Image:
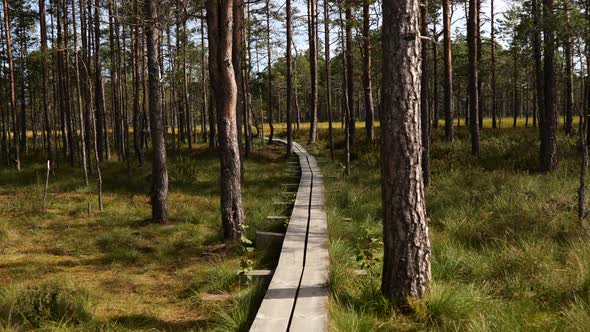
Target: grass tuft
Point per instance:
(48, 302)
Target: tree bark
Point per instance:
(219, 19)
(549, 124)
(406, 264)
(159, 191)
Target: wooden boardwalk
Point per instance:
(297, 297)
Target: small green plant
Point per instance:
(366, 254)
(246, 248)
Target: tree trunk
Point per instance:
(493, 64)
(219, 19)
(313, 68)
(289, 78)
(269, 71)
(424, 95)
(159, 190)
(136, 85)
(548, 140)
(406, 262)
(45, 78)
(448, 59)
(435, 84)
(237, 53)
(247, 99)
(185, 78)
(472, 37)
(345, 104)
(100, 113)
(350, 70)
(539, 79)
(205, 89)
(12, 85)
(368, 89)
(115, 97)
(480, 99)
(80, 101)
(328, 76)
(569, 75)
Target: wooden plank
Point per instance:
(276, 218)
(296, 298)
(258, 273)
(276, 308)
(311, 307)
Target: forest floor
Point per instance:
(63, 269)
(508, 252)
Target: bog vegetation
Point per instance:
(139, 158)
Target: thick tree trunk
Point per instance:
(448, 82)
(219, 19)
(472, 37)
(549, 124)
(406, 262)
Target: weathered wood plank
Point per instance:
(296, 298)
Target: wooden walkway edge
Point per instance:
(297, 297)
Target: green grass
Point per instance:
(508, 253)
(65, 270)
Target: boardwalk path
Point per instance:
(297, 297)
